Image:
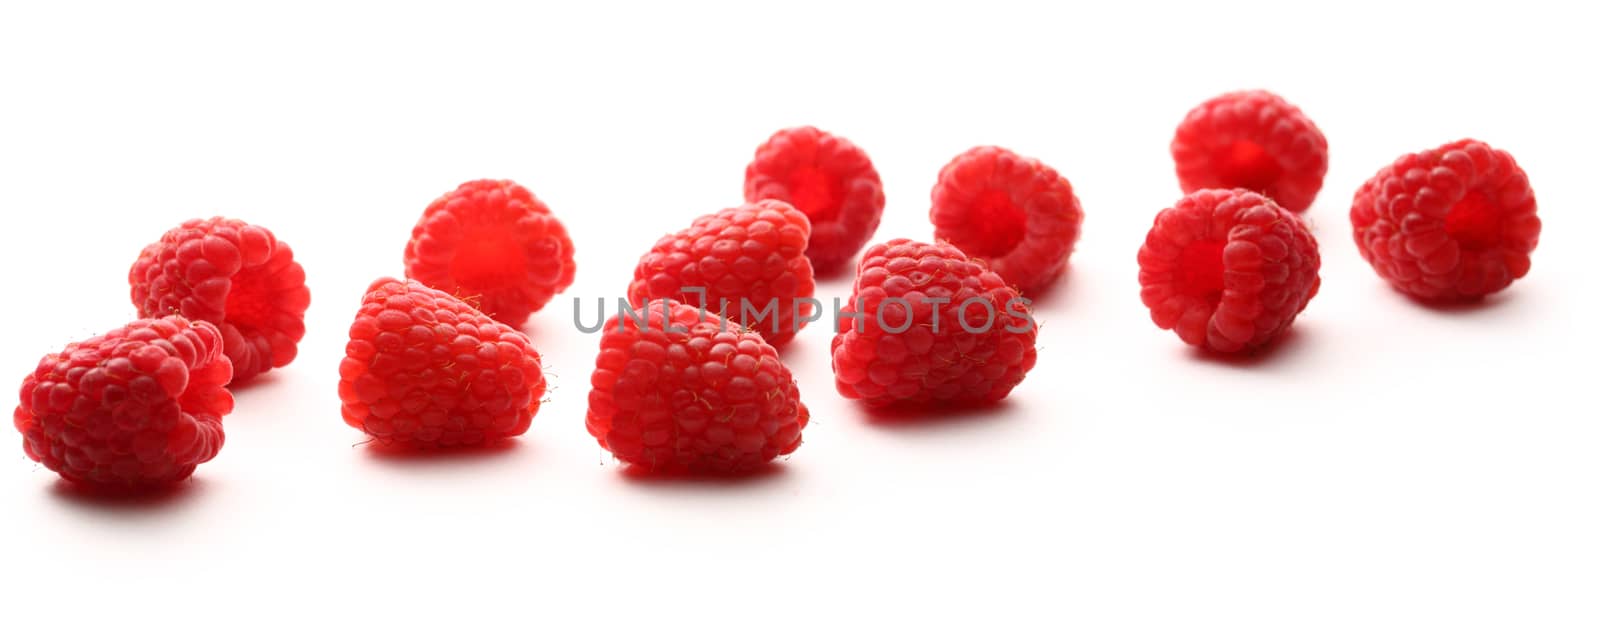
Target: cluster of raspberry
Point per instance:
(436, 360)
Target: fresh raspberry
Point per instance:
(135, 408)
(425, 370)
(683, 390)
(828, 178)
(234, 275)
(1010, 211)
(750, 262)
(1252, 140)
(1453, 223)
(492, 243)
(1227, 269)
(928, 326)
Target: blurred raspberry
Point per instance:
(1009, 211)
(828, 178)
(495, 245)
(1252, 140)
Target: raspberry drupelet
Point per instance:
(1252, 140)
(828, 178)
(495, 244)
(133, 409)
(1454, 223)
(426, 370)
(1012, 212)
(1228, 270)
(237, 276)
(684, 391)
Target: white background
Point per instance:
(1387, 461)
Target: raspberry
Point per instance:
(1453, 223)
(927, 325)
(683, 390)
(1012, 212)
(495, 244)
(1227, 269)
(1252, 140)
(749, 260)
(236, 276)
(426, 370)
(828, 178)
(135, 408)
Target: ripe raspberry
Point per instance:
(135, 408)
(236, 276)
(749, 260)
(934, 327)
(495, 244)
(1227, 269)
(426, 370)
(685, 391)
(1448, 224)
(1252, 140)
(1012, 212)
(828, 178)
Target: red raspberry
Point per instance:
(683, 390)
(135, 408)
(828, 178)
(492, 243)
(1252, 140)
(426, 370)
(1227, 269)
(934, 327)
(234, 275)
(749, 260)
(1012, 212)
(1448, 224)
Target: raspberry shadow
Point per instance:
(400, 455)
(926, 416)
(767, 473)
(1484, 306)
(170, 496)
